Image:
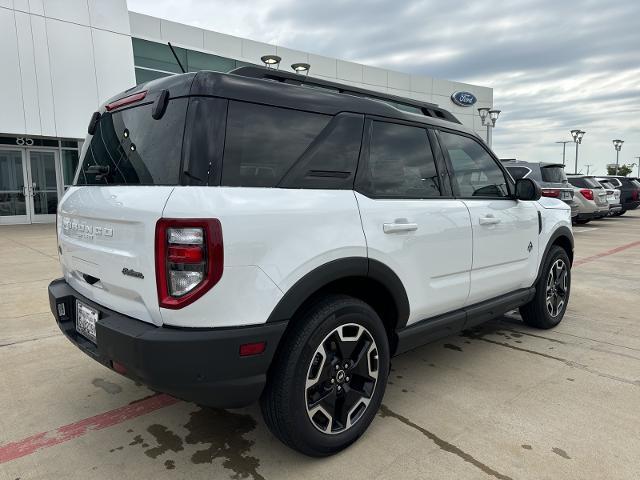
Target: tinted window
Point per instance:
(553, 174)
(262, 142)
(475, 172)
(578, 182)
(131, 148)
(331, 161)
(592, 183)
(400, 163)
(518, 172)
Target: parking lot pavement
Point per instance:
(504, 401)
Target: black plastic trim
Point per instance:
(322, 276)
(199, 365)
(435, 328)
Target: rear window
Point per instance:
(592, 183)
(129, 147)
(553, 174)
(518, 172)
(263, 143)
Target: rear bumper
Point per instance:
(198, 365)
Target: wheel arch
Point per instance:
(366, 279)
(562, 237)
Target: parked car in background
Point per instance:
(613, 197)
(629, 191)
(591, 198)
(550, 177)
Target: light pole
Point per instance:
(638, 158)
(577, 138)
(271, 61)
(617, 144)
(489, 118)
(564, 146)
(588, 165)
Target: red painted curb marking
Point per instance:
(582, 261)
(32, 444)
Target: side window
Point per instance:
(263, 142)
(401, 163)
(475, 172)
(518, 172)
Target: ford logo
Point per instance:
(464, 99)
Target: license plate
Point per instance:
(566, 196)
(86, 318)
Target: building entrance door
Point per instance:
(29, 186)
(13, 187)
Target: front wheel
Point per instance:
(549, 304)
(328, 379)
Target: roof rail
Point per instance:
(402, 103)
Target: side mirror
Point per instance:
(527, 189)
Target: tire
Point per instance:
(310, 364)
(622, 212)
(538, 313)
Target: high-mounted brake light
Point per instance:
(551, 192)
(189, 259)
(587, 193)
(136, 97)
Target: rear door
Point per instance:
(106, 221)
(505, 230)
(411, 222)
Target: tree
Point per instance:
(623, 170)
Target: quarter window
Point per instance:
(475, 172)
(401, 163)
(262, 142)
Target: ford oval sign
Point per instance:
(464, 99)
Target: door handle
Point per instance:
(399, 227)
(489, 220)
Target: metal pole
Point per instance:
(576, 168)
(489, 135)
(638, 158)
(564, 147)
(617, 157)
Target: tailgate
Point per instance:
(106, 237)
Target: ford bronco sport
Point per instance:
(266, 236)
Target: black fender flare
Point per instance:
(562, 231)
(336, 270)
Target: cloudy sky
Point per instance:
(554, 65)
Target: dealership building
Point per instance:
(62, 58)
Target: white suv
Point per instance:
(263, 235)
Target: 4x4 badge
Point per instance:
(530, 247)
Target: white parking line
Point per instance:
(584, 229)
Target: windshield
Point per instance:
(129, 147)
(553, 174)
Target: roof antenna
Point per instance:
(176, 57)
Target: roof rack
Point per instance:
(402, 103)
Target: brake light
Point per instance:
(634, 195)
(586, 193)
(189, 259)
(136, 97)
(551, 192)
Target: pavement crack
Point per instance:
(443, 444)
(569, 363)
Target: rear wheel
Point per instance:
(622, 212)
(549, 304)
(327, 382)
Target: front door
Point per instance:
(505, 230)
(14, 194)
(42, 172)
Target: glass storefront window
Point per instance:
(69, 160)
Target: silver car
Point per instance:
(613, 197)
(591, 198)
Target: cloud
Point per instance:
(553, 65)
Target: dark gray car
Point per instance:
(550, 177)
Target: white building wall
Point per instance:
(418, 87)
(60, 60)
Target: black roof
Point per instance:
(278, 88)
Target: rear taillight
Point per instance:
(551, 192)
(189, 259)
(634, 195)
(587, 193)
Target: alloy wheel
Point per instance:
(341, 378)
(557, 285)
